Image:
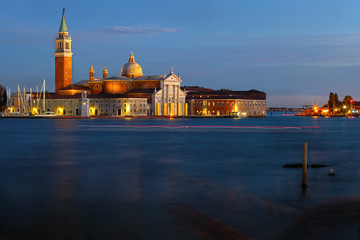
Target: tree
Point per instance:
(5, 99)
(337, 102)
(331, 102)
(346, 100)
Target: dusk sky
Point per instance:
(295, 51)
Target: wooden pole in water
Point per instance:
(304, 169)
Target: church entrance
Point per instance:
(119, 112)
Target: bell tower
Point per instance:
(63, 57)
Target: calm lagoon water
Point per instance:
(126, 179)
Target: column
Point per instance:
(163, 97)
(157, 109)
(178, 99)
(167, 99)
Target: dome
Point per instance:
(131, 69)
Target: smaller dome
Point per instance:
(131, 69)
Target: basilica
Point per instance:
(130, 93)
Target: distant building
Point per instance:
(208, 102)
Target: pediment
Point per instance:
(172, 78)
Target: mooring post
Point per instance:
(304, 168)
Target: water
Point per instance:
(126, 179)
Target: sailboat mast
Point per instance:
(18, 96)
(9, 97)
(37, 97)
(44, 96)
(31, 101)
(24, 101)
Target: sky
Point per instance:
(296, 51)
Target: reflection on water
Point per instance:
(91, 179)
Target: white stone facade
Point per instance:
(170, 99)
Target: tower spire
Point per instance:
(63, 27)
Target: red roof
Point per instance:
(227, 94)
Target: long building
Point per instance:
(224, 102)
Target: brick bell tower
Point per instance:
(63, 57)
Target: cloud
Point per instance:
(136, 30)
(323, 51)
